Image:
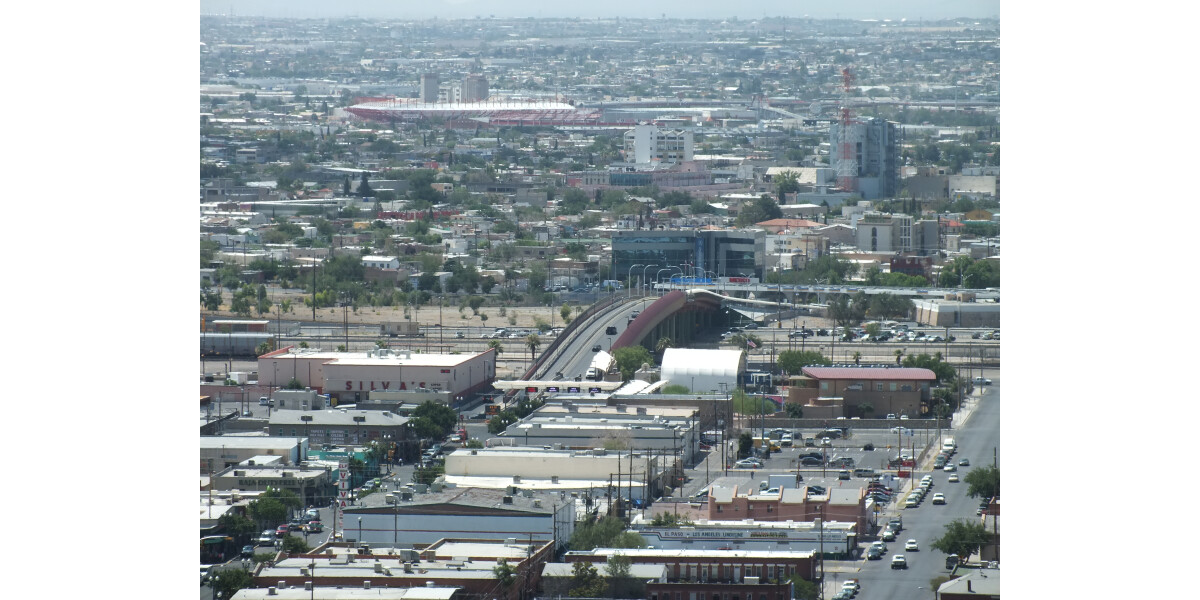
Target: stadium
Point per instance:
(496, 112)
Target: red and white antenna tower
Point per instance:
(847, 168)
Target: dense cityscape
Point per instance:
(602, 308)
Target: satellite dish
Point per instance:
(815, 109)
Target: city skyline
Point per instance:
(700, 9)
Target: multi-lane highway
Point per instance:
(574, 357)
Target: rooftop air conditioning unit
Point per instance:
(507, 500)
(554, 479)
(367, 584)
(308, 586)
(537, 503)
(270, 591)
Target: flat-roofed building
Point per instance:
(351, 376)
(711, 565)
(350, 593)
(334, 565)
(424, 517)
(218, 452)
(749, 534)
(578, 473)
(312, 484)
(340, 426)
(648, 429)
(842, 504)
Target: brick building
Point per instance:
(886, 389)
(841, 504)
(711, 566)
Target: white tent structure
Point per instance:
(703, 370)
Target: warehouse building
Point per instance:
(426, 514)
(350, 376)
(703, 370)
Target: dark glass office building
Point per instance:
(712, 253)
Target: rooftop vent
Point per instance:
(366, 584)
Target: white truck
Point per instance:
(400, 328)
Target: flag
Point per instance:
(751, 343)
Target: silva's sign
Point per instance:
(352, 386)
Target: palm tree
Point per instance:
(661, 346)
(857, 357)
(496, 344)
(898, 354)
(532, 342)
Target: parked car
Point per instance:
(748, 463)
(874, 554)
(888, 535)
(868, 447)
(982, 381)
(809, 461)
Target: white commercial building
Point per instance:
(648, 143)
(703, 370)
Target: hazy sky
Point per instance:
(706, 9)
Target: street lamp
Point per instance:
(644, 278)
(629, 275)
(657, 275)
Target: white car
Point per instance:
(953, 478)
(748, 463)
(982, 381)
(911, 546)
(949, 468)
(939, 498)
(898, 562)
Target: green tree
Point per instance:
(631, 358)
(505, 573)
(294, 545)
(962, 537)
(786, 183)
(238, 527)
(793, 361)
(607, 532)
(745, 404)
(474, 302)
(660, 347)
(230, 581)
(439, 414)
(745, 443)
(762, 209)
(857, 356)
(501, 422)
(211, 300)
(666, 519)
(533, 342)
(803, 589)
(424, 428)
(983, 482)
(586, 582)
(293, 384)
(620, 583)
(497, 346)
(565, 313)
(793, 410)
(364, 188)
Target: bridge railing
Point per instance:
(579, 320)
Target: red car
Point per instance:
(281, 531)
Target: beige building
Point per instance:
(350, 376)
(952, 313)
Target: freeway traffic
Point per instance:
(574, 358)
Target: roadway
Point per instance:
(977, 439)
(576, 355)
(786, 288)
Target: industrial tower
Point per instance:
(847, 168)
